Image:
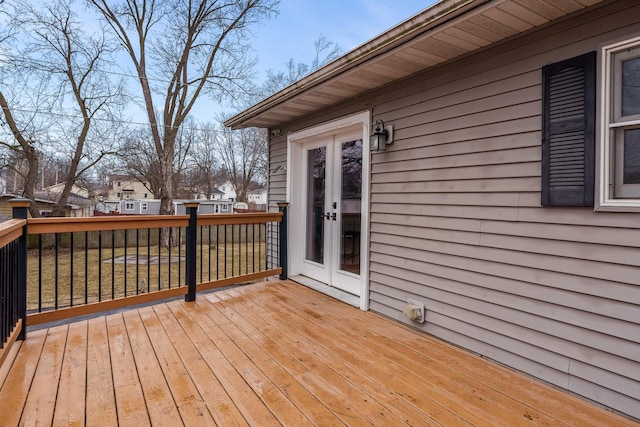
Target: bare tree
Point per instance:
(75, 97)
(25, 149)
(205, 162)
(325, 52)
(244, 157)
(181, 50)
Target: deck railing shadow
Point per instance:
(58, 268)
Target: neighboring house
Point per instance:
(217, 194)
(509, 201)
(45, 205)
(228, 192)
(257, 197)
(205, 207)
(128, 187)
(139, 207)
(75, 189)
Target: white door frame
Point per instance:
(295, 142)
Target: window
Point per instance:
(128, 206)
(119, 195)
(620, 125)
(119, 184)
(127, 196)
(144, 206)
(146, 195)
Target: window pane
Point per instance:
(631, 87)
(631, 156)
(316, 169)
(351, 206)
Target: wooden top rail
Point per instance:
(232, 219)
(67, 225)
(101, 223)
(10, 230)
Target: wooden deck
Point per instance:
(272, 353)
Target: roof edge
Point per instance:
(437, 14)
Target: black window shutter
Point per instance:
(568, 131)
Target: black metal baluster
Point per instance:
(225, 251)
(137, 261)
(169, 249)
(180, 256)
(239, 249)
(253, 248)
(99, 265)
(217, 252)
(55, 304)
(160, 258)
(86, 267)
(233, 250)
(126, 261)
(113, 264)
(71, 246)
(246, 247)
(209, 251)
(149, 257)
(201, 254)
(39, 273)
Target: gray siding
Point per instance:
(456, 220)
(276, 191)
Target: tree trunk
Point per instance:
(30, 179)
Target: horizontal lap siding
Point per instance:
(456, 222)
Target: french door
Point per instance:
(332, 212)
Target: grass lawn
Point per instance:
(94, 275)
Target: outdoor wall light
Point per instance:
(381, 137)
(278, 169)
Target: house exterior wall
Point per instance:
(456, 220)
(122, 187)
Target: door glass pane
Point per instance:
(631, 87)
(316, 166)
(631, 173)
(351, 206)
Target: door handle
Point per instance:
(327, 215)
(333, 216)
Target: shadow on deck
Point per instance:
(273, 353)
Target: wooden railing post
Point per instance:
(192, 236)
(20, 208)
(283, 238)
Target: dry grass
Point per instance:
(97, 277)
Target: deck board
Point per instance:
(100, 403)
(273, 353)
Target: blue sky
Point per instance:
(349, 23)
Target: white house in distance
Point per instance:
(228, 192)
(257, 196)
(480, 158)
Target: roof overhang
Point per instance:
(448, 30)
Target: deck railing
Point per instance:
(13, 245)
(80, 266)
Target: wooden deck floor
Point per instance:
(267, 354)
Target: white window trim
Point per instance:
(605, 200)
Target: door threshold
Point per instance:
(336, 293)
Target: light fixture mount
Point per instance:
(381, 137)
